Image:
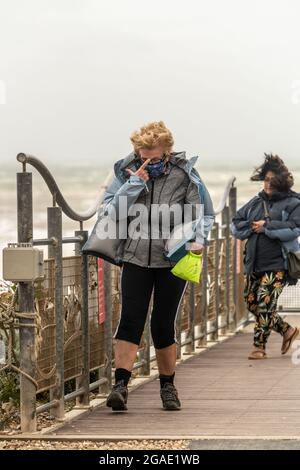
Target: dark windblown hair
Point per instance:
(283, 179)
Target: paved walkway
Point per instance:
(223, 395)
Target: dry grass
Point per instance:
(92, 445)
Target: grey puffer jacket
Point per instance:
(284, 224)
(173, 187)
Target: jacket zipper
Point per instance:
(149, 224)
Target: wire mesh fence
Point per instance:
(289, 300)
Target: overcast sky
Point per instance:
(77, 77)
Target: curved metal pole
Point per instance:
(229, 185)
(56, 193)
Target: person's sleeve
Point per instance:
(285, 230)
(118, 194)
(240, 226)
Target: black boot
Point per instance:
(169, 396)
(117, 399)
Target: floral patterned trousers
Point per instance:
(261, 294)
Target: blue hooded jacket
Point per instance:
(284, 224)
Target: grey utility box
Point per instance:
(22, 262)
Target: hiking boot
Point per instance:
(169, 396)
(117, 399)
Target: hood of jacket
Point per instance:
(278, 195)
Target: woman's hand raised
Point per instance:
(141, 172)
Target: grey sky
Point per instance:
(80, 76)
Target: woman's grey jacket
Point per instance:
(180, 184)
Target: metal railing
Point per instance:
(78, 304)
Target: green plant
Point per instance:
(9, 387)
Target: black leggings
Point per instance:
(137, 283)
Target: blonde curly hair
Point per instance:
(151, 135)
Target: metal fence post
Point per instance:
(26, 304)
(84, 380)
(203, 323)
(190, 347)
(232, 212)
(216, 280)
(225, 233)
(215, 235)
(108, 335)
(54, 221)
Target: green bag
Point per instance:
(189, 267)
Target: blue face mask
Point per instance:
(156, 169)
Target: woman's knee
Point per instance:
(162, 336)
(162, 343)
(129, 331)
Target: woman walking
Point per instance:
(271, 224)
(152, 174)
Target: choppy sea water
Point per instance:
(80, 185)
